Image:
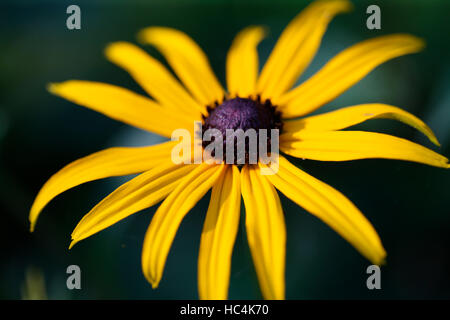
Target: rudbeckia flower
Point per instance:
(254, 100)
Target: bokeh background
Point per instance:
(408, 203)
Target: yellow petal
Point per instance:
(218, 236)
(106, 163)
(353, 145)
(242, 62)
(165, 222)
(349, 116)
(154, 78)
(344, 70)
(330, 206)
(266, 231)
(137, 194)
(297, 46)
(188, 61)
(122, 105)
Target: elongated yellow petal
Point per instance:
(266, 231)
(330, 206)
(353, 145)
(242, 62)
(349, 116)
(154, 78)
(187, 60)
(137, 194)
(122, 105)
(165, 222)
(297, 46)
(218, 236)
(344, 70)
(106, 163)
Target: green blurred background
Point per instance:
(408, 203)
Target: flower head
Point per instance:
(242, 114)
(253, 100)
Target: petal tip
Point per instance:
(60, 88)
(446, 165)
(432, 137)
(72, 243)
(338, 5)
(436, 142)
(260, 30)
(32, 218)
(347, 6)
(418, 43)
(110, 47)
(143, 34)
(52, 87)
(380, 259)
(113, 48)
(153, 282)
(421, 43)
(382, 262)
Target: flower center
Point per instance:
(242, 113)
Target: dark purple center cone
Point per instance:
(242, 113)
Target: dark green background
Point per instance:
(40, 133)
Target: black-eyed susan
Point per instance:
(252, 100)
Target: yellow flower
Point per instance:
(180, 186)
